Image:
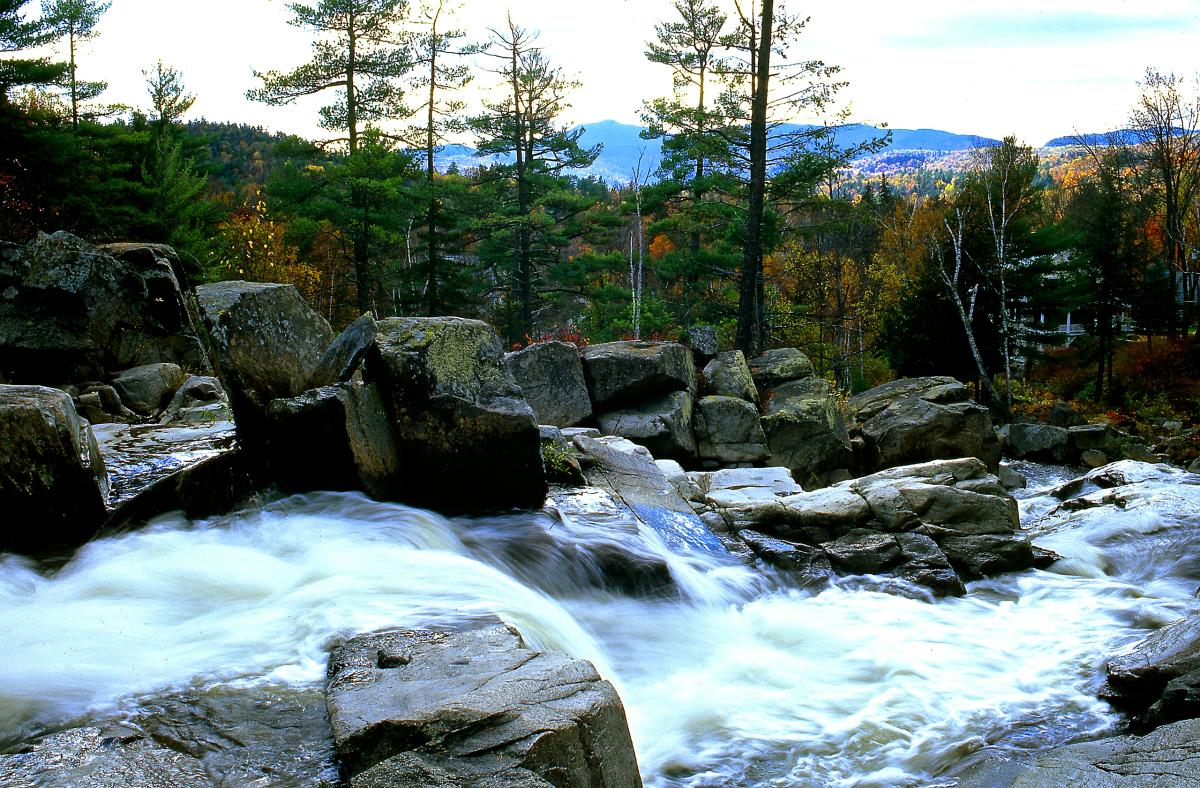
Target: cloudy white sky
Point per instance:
(1034, 68)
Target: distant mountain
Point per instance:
(623, 144)
(1122, 136)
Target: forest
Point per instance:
(965, 265)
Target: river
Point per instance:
(741, 679)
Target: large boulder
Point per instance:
(728, 431)
(71, 312)
(619, 373)
(1041, 442)
(53, 484)
(921, 419)
(805, 430)
(149, 388)
(267, 344)
(663, 425)
(550, 375)
(779, 366)
(474, 706)
(465, 437)
(728, 375)
(336, 437)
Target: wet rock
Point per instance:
(335, 438)
(920, 419)
(267, 343)
(345, 354)
(863, 552)
(922, 562)
(805, 431)
(149, 388)
(776, 367)
(1180, 700)
(550, 375)
(663, 425)
(1093, 458)
(101, 404)
(1169, 756)
(73, 312)
(809, 564)
(53, 483)
(476, 706)
(1040, 442)
(1010, 478)
(974, 557)
(1139, 677)
(200, 400)
(728, 375)
(728, 431)
(466, 438)
(619, 373)
(91, 756)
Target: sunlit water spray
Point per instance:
(737, 680)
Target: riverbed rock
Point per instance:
(920, 419)
(728, 431)
(71, 312)
(728, 375)
(1170, 756)
(1038, 442)
(476, 706)
(345, 354)
(267, 343)
(978, 556)
(1137, 678)
(550, 375)
(779, 366)
(149, 388)
(53, 484)
(619, 373)
(805, 430)
(337, 437)
(101, 404)
(663, 425)
(201, 399)
(465, 437)
(807, 564)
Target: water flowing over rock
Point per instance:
(71, 312)
(619, 373)
(550, 375)
(474, 706)
(52, 479)
(267, 343)
(922, 419)
(465, 437)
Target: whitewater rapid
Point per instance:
(740, 680)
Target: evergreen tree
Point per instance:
(358, 54)
(16, 35)
(523, 130)
(75, 20)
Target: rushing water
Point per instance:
(739, 680)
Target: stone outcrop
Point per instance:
(728, 375)
(935, 524)
(663, 425)
(780, 366)
(70, 312)
(621, 373)
(465, 438)
(805, 431)
(149, 388)
(728, 431)
(550, 375)
(474, 706)
(53, 483)
(922, 419)
(267, 344)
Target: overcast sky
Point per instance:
(1034, 68)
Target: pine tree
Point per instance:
(75, 20)
(16, 35)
